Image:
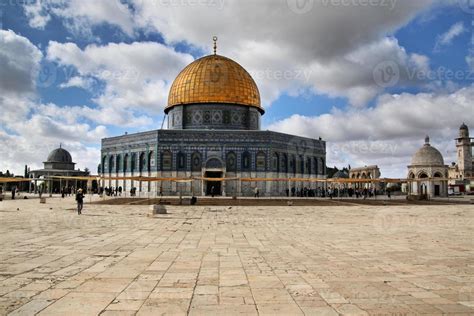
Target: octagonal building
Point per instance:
(213, 140)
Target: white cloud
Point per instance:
(19, 64)
(26, 133)
(80, 16)
(137, 75)
(321, 39)
(104, 116)
(390, 132)
(78, 82)
(36, 13)
(447, 38)
(269, 35)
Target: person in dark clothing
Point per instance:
(13, 193)
(213, 191)
(80, 201)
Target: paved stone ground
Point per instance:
(351, 260)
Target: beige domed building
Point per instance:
(427, 174)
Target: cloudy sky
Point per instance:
(372, 77)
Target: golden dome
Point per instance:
(214, 79)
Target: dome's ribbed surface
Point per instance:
(427, 156)
(214, 79)
(60, 155)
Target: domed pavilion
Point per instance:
(213, 137)
(427, 173)
(59, 164)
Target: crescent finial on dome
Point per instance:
(215, 44)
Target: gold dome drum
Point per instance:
(214, 79)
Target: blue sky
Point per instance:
(332, 53)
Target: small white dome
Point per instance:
(427, 156)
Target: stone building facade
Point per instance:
(367, 172)
(213, 136)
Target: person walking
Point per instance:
(13, 193)
(213, 191)
(257, 193)
(80, 201)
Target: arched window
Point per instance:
(293, 164)
(111, 164)
(196, 162)
(301, 165)
(246, 161)
(125, 163)
(284, 163)
(104, 166)
(231, 162)
(275, 162)
(133, 163)
(438, 175)
(422, 175)
(167, 160)
(261, 161)
(308, 165)
(181, 161)
(214, 163)
(117, 165)
(151, 161)
(316, 166)
(142, 163)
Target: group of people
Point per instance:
(334, 192)
(68, 191)
(117, 191)
(111, 191)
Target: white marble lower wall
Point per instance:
(198, 187)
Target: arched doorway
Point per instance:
(423, 184)
(214, 169)
(437, 184)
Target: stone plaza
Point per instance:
(317, 260)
